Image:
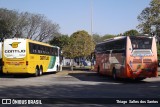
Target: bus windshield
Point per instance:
(141, 42)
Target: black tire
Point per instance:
(57, 69)
(140, 79)
(36, 72)
(159, 63)
(40, 72)
(98, 70)
(114, 74)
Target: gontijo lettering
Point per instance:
(15, 51)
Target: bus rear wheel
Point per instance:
(36, 72)
(140, 78)
(98, 70)
(40, 72)
(114, 75)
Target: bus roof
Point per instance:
(113, 39)
(122, 37)
(33, 41)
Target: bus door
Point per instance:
(115, 64)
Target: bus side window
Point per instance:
(135, 44)
(30, 48)
(42, 49)
(55, 51)
(34, 48)
(51, 51)
(38, 48)
(45, 50)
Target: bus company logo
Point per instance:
(15, 44)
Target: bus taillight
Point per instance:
(27, 63)
(2, 63)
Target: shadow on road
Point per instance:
(124, 89)
(100, 90)
(17, 76)
(93, 76)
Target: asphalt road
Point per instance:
(78, 84)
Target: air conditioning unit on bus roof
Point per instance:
(119, 37)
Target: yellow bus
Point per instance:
(24, 56)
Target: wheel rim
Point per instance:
(36, 73)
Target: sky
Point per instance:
(108, 16)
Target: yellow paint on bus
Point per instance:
(24, 56)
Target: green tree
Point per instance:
(97, 38)
(107, 36)
(131, 33)
(158, 51)
(60, 40)
(155, 10)
(4, 30)
(26, 25)
(150, 18)
(8, 19)
(80, 45)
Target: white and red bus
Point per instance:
(133, 57)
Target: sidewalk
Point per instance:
(68, 69)
(86, 68)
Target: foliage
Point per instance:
(107, 36)
(150, 18)
(158, 51)
(131, 33)
(60, 40)
(96, 38)
(80, 44)
(7, 21)
(26, 25)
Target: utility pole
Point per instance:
(91, 13)
(91, 16)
